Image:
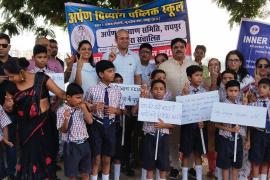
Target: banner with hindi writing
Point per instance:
(156, 23)
(254, 42)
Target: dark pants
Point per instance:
(3, 172)
(11, 152)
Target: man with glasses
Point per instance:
(145, 53)
(10, 151)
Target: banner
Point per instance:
(254, 42)
(197, 107)
(130, 93)
(239, 114)
(156, 23)
(150, 110)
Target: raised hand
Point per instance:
(185, 90)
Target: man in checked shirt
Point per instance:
(107, 103)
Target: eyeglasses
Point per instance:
(263, 66)
(4, 45)
(145, 52)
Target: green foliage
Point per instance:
(244, 9)
(22, 15)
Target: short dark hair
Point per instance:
(193, 69)
(229, 71)
(176, 40)
(202, 47)
(16, 65)
(232, 83)
(155, 72)
(264, 81)
(103, 65)
(117, 75)
(147, 46)
(73, 89)
(5, 36)
(39, 49)
(162, 54)
(157, 81)
(260, 59)
(53, 41)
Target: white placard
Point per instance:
(150, 110)
(58, 78)
(197, 107)
(130, 93)
(239, 114)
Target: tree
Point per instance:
(22, 15)
(244, 9)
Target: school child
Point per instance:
(226, 76)
(259, 154)
(190, 139)
(226, 137)
(107, 104)
(4, 122)
(158, 90)
(160, 74)
(118, 149)
(41, 59)
(71, 121)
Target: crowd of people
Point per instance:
(83, 124)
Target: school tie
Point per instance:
(106, 120)
(267, 126)
(70, 122)
(195, 91)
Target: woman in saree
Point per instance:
(30, 98)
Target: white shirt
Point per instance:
(146, 72)
(89, 76)
(127, 66)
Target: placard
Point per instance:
(239, 114)
(58, 78)
(197, 107)
(150, 110)
(130, 93)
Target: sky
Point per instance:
(208, 26)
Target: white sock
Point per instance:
(94, 177)
(117, 169)
(255, 178)
(184, 173)
(144, 172)
(157, 175)
(162, 179)
(105, 177)
(219, 173)
(198, 169)
(263, 176)
(149, 179)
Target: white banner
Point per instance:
(239, 114)
(130, 93)
(150, 110)
(58, 78)
(197, 107)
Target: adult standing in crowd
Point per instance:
(29, 97)
(176, 77)
(145, 53)
(53, 64)
(235, 61)
(10, 151)
(127, 64)
(82, 71)
(54, 51)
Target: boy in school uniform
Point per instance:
(226, 76)
(71, 121)
(158, 90)
(226, 136)
(259, 154)
(190, 139)
(107, 103)
(118, 149)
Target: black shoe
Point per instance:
(173, 173)
(192, 173)
(100, 174)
